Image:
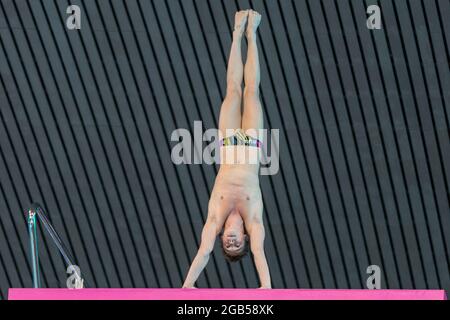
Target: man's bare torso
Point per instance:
(236, 191)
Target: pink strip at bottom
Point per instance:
(223, 294)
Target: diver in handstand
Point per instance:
(236, 203)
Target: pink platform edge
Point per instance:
(223, 294)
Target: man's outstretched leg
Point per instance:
(252, 122)
(230, 112)
(252, 119)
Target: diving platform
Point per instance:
(223, 294)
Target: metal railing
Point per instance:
(34, 214)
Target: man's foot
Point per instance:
(254, 19)
(240, 19)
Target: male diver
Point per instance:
(236, 203)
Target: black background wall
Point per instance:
(86, 117)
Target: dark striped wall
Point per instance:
(86, 118)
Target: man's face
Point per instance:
(233, 241)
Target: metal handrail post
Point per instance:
(32, 231)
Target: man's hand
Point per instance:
(201, 259)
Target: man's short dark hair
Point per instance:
(238, 255)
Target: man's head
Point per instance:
(235, 242)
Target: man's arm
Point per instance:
(257, 236)
(209, 234)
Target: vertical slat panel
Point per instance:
(87, 116)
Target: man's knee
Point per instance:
(251, 92)
(234, 90)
